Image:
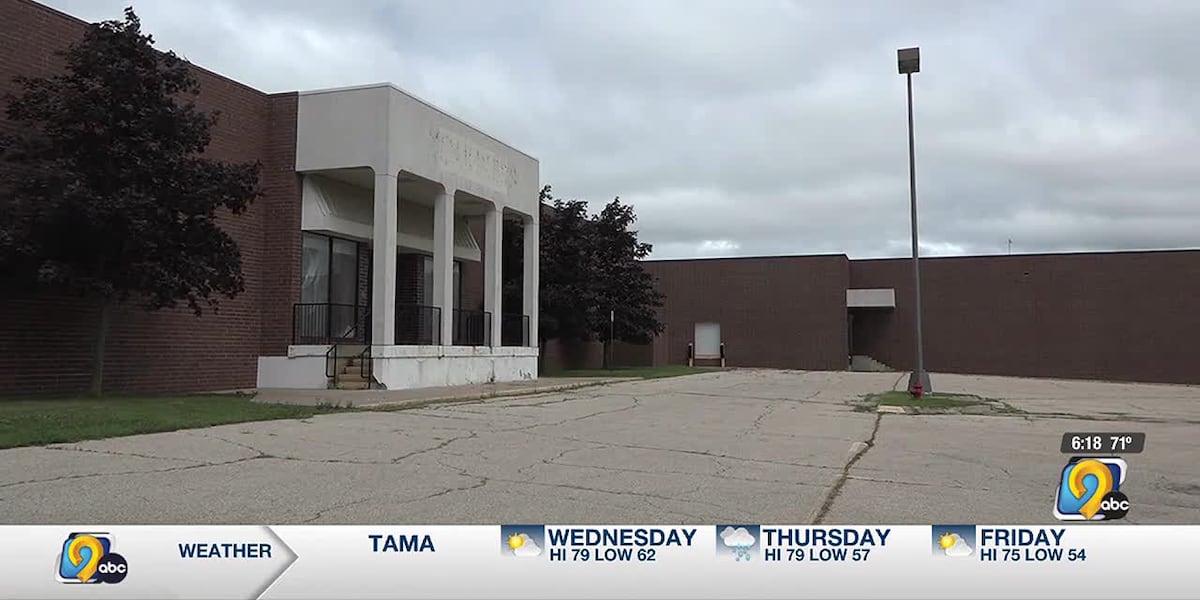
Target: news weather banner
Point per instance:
(545, 561)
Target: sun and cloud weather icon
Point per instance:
(737, 541)
(955, 541)
(522, 541)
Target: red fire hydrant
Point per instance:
(918, 389)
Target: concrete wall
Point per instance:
(46, 337)
(403, 367)
(785, 312)
(1120, 316)
(299, 371)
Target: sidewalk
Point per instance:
(433, 395)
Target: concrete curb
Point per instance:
(481, 396)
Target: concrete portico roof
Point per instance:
(390, 131)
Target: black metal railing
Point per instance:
(418, 324)
(471, 327)
(326, 323)
(331, 366)
(514, 330)
(366, 367)
(334, 366)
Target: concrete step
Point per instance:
(357, 384)
(866, 364)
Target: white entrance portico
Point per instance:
(396, 178)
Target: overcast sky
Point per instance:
(770, 127)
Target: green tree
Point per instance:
(625, 292)
(566, 279)
(590, 265)
(107, 192)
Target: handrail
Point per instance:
(365, 368)
(331, 363)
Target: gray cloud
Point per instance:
(774, 127)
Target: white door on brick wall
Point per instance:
(708, 340)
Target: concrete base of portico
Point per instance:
(417, 397)
(405, 367)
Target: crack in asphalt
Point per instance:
(919, 483)
(841, 481)
(568, 486)
(636, 403)
(321, 513)
(117, 453)
(690, 452)
(551, 460)
(810, 399)
(136, 472)
(758, 421)
(482, 482)
(718, 475)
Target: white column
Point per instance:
(383, 255)
(529, 277)
(443, 262)
(493, 280)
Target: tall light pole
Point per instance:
(909, 60)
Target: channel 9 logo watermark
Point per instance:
(89, 558)
(1090, 490)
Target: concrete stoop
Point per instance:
(866, 364)
(350, 375)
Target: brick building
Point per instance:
(1109, 315)
(349, 176)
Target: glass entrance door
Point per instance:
(329, 307)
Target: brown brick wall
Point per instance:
(410, 275)
(1119, 316)
(279, 238)
(45, 338)
(785, 312)
(364, 274)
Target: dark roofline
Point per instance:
(908, 258)
(69, 17)
(1081, 253)
(767, 257)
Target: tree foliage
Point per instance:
(106, 190)
(623, 285)
(590, 265)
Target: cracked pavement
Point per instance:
(751, 446)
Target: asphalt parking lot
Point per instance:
(754, 446)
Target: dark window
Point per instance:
(328, 270)
(427, 283)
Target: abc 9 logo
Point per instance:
(112, 568)
(1115, 505)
